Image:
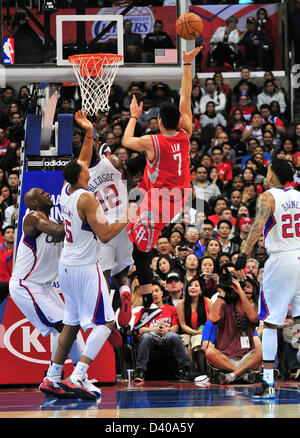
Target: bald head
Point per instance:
(31, 197)
(37, 199)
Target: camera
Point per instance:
(226, 284)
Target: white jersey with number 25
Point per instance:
(80, 244)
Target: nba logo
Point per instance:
(8, 51)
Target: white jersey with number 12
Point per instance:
(110, 188)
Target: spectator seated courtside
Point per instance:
(161, 333)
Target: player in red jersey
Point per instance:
(166, 179)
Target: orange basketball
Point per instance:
(189, 26)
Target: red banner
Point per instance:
(25, 354)
(143, 19)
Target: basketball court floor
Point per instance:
(156, 400)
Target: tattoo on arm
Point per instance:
(263, 211)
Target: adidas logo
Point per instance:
(55, 163)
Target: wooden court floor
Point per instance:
(155, 400)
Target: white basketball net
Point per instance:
(95, 75)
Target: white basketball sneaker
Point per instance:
(80, 380)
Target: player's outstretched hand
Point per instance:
(135, 109)
(83, 121)
(189, 56)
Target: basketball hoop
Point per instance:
(95, 74)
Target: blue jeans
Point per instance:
(171, 341)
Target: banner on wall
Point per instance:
(25, 354)
(143, 19)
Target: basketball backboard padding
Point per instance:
(33, 130)
(65, 133)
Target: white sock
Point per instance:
(54, 372)
(268, 376)
(124, 289)
(269, 348)
(81, 369)
(95, 341)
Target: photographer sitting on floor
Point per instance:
(236, 351)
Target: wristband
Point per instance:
(134, 117)
(89, 136)
(188, 63)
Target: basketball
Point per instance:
(189, 26)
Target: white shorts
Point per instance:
(116, 254)
(87, 300)
(280, 287)
(40, 303)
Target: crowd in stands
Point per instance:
(237, 131)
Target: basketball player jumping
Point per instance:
(36, 267)
(278, 217)
(87, 302)
(108, 184)
(166, 179)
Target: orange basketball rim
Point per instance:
(95, 74)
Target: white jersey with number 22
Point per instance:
(282, 229)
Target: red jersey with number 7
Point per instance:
(166, 185)
(170, 166)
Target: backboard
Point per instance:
(66, 31)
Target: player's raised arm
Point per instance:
(186, 117)
(129, 141)
(87, 148)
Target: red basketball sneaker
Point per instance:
(55, 389)
(124, 316)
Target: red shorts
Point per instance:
(157, 209)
